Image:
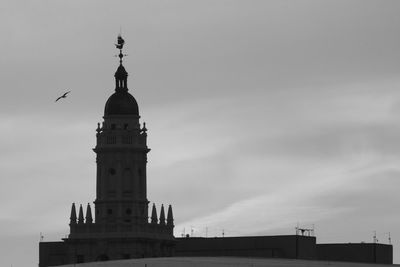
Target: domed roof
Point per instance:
(121, 103)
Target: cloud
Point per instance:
(321, 197)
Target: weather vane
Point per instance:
(119, 45)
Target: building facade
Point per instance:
(120, 227)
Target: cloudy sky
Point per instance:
(261, 114)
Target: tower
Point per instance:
(121, 149)
(121, 227)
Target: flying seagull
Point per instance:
(63, 96)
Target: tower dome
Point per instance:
(121, 102)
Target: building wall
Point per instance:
(292, 246)
(89, 250)
(52, 254)
(361, 252)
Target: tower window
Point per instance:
(109, 211)
(112, 171)
(128, 211)
(113, 126)
(125, 126)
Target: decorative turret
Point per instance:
(89, 218)
(144, 129)
(73, 215)
(121, 76)
(80, 217)
(162, 216)
(154, 218)
(170, 217)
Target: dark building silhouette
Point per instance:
(283, 246)
(356, 252)
(120, 227)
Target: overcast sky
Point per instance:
(261, 114)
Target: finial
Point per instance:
(170, 216)
(73, 214)
(89, 218)
(154, 218)
(162, 215)
(144, 129)
(120, 42)
(119, 45)
(80, 216)
(120, 75)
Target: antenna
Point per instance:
(389, 238)
(304, 231)
(375, 240)
(183, 232)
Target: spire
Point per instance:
(170, 217)
(88, 218)
(144, 129)
(162, 215)
(121, 76)
(80, 217)
(73, 215)
(154, 214)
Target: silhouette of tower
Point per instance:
(121, 227)
(121, 160)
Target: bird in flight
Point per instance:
(63, 96)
